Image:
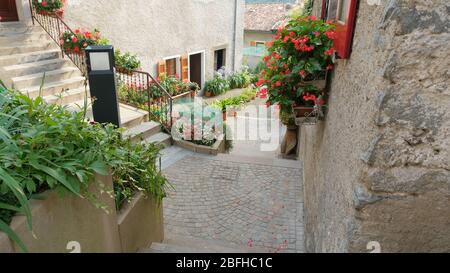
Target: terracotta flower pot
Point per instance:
(193, 94)
(303, 111)
(208, 94)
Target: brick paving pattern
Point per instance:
(244, 204)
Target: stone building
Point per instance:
(196, 35)
(202, 35)
(377, 168)
(262, 19)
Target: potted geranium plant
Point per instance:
(127, 62)
(296, 66)
(49, 7)
(77, 41)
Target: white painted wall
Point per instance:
(160, 28)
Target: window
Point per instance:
(171, 67)
(219, 59)
(343, 14)
(260, 44)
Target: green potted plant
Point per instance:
(127, 62)
(216, 86)
(49, 7)
(296, 66)
(77, 41)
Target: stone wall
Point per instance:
(378, 167)
(158, 29)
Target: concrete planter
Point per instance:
(140, 223)
(216, 148)
(60, 220)
(57, 221)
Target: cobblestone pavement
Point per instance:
(242, 203)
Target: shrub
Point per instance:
(301, 52)
(127, 61)
(217, 85)
(45, 147)
(132, 95)
(244, 97)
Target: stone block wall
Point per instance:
(378, 167)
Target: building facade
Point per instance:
(376, 170)
(194, 37)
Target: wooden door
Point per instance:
(8, 11)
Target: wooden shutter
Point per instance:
(343, 14)
(252, 43)
(161, 68)
(185, 68)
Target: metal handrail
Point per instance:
(55, 27)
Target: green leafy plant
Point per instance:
(48, 6)
(78, 40)
(245, 97)
(45, 147)
(301, 52)
(217, 85)
(126, 61)
(132, 94)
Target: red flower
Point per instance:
(309, 97)
(330, 67)
(74, 39)
(44, 3)
(286, 39)
(267, 104)
(266, 58)
(278, 84)
(331, 34)
(292, 34)
(85, 45)
(312, 18)
(317, 33)
(76, 49)
(88, 34)
(77, 31)
(329, 52)
(302, 73)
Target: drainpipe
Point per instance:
(235, 33)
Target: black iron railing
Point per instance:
(135, 88)
(141, 90)
(56, 27)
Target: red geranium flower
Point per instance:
(278, 84)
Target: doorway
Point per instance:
(8, 11)
(195, 68)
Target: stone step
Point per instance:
(129, 116)
(142, 131)
(161, 138)
(51, 88)
(50, 76)
(20, 48)
(7, 30)
(35, 36)
(67, 97)
(197, 245)
(29, 57)
(19, 70)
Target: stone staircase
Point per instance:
(27, 53)
(174, 244)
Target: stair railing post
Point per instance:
(31, 11)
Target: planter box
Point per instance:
(140, 223)
(59, 220)
(216, 148)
